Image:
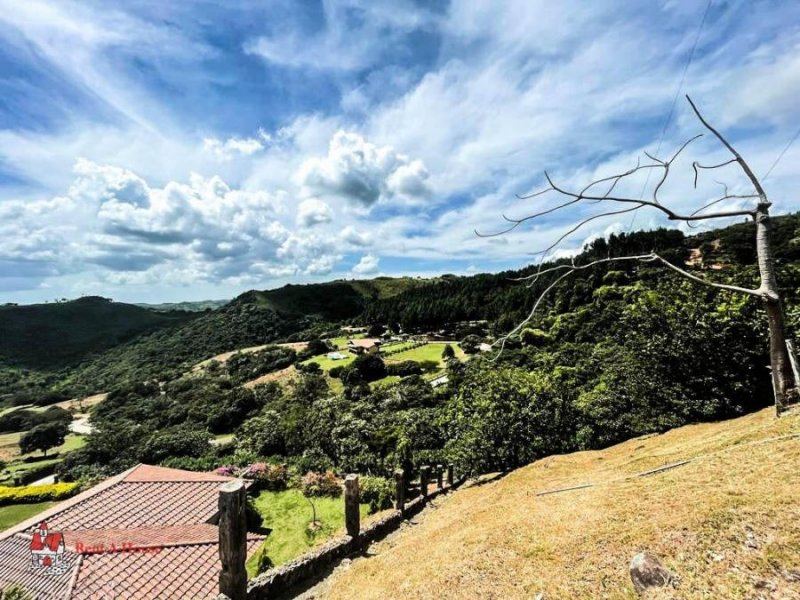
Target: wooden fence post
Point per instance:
(424, 477)
(400, 491)
(352, 516)
(233, 539)
(439, 476)
(450, 475)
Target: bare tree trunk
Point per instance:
(783, 379)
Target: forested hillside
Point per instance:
(501, 299)
(105, 343)
(625, 349)
(61, 333)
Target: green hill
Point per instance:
(50, 336)
(332, 301)
(251, 319)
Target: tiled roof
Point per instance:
(152, 473)
(180, 572)
(142, 504)
(145, 533)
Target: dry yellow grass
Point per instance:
(728, 523)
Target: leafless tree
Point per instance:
(785, 374)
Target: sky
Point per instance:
(158, 151)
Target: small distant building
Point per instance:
(364, 346)
(441, 380)
(484, 347)
(336, 355)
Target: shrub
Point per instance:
(315, 485)
(226, 471)
(336, 372)
(36, 493)
(378, 492)
(262, 435)
(268, 476)
(15, 592)
(190, 463)
(404, 369)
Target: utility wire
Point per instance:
(780, 156)
(674, 102)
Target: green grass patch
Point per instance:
(17, 513)
(341, 342)
(432, 351)
(288, 514)
(326, 364)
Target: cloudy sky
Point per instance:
(164, 151)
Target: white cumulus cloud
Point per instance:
(360, 171)
(368, 265)
(313, 212)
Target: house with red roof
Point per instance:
(144, 534)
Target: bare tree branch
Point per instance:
(745, 167)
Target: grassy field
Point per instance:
(288, 514)
(16, 513)
(326, 364)
(727, 523)
(341, 342)
(432, 351)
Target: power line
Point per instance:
(674, 102)
(780, 156)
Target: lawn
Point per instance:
(432, 351)
(16, 513)
(326, 364)
(341, 342)
(288, 514)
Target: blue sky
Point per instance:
(164, 151)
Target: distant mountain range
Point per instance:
(197, 306)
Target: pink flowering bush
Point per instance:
(226, 471)
(268, 476)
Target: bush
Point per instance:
(15, 592)
(370, 366)
(315, 485)
(36, 493)
(336, 372)
(227, 471)
(190, 463)
(262, 435)
(404, 369)
(378, 492)
(268, 476)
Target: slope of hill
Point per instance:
(252, 319)
(53, 335)
(727, 523)
(332, 301)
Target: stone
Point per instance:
(647, 572)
